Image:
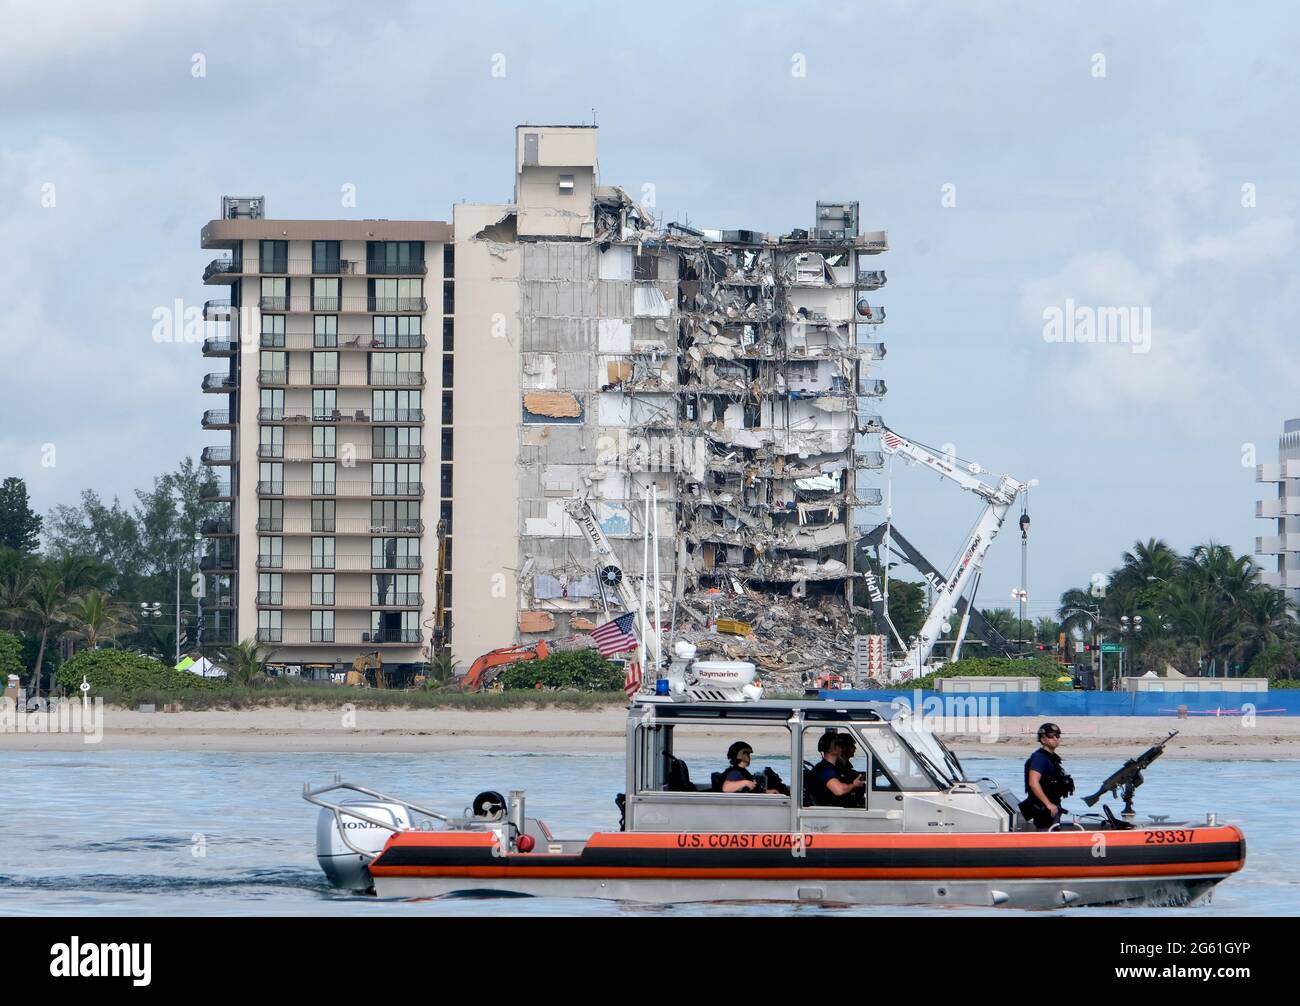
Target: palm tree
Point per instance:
(43, 608)
(244, 660)
(1076, 603)
(96, 616)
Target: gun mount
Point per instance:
(1127, 779)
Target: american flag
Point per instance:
(632, 680)
(617, 635)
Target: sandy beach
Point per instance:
(600, 730)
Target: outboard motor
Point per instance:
(344, 867)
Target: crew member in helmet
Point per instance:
(848, 747)
(1046, 782)
(825, 783)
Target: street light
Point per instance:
(1129, 628)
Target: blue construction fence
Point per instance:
(1050, 705)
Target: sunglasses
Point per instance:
(1052, 735)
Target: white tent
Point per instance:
(205, 668)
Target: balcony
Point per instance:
(866, 314)
(270, 451)
(222, 270)
(219, 601)
(216, 562)
(274, 266)
(219, 383)
(869, 497)
(1279, 472)
(217, 419)
(216, 310)
(273, 303)
(329, 305)
(272, 377)
(398, 452)
(870, 459)
(361, 378)
(396, 305)
(220, 347)
(341, 636)
(378, 267)
(1277, 579)
(217, 526)
(270, 598)
(871, 350)
(215, 491)
(869, 279)
(357, 600)
(303, 563)
(341, 525)
(1277, 544)
(270, 562)
(872, 389)
(397, 416)
(306, 304)
(270, 488)
(215, 456)
(396, 489)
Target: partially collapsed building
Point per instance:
(586, 348)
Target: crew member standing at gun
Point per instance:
(1046, 783)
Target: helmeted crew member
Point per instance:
(1046, 782)
(738, 778)
(828, 789)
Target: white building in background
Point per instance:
(1283, 508)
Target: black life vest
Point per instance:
(1057, 784)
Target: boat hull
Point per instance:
(1015, 870)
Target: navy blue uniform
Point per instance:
(822, 773)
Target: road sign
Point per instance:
(1112, 647)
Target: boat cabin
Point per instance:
(913, 782)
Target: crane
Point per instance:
(998, 500)
(608, 569)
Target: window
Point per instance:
(900, 764)
(271, 443)
(393, 331)
(324, 404)
(325, 294)
(445, 488)
(395, 479)
(273, 256)
(395, 626)
(326, 331)
(448, 298)
(269, 628)
(396, 368)
(323, 441)
(448, 261)
(274, 293)
(322, 478)
(566, 185)
(273, 367)
(322, 626)
(325, 256)
(270, 477)
(394, 515)
(446, 408)
(322, 553)
(394, 257)
(270, 404)
(645, 268)
(324, 368)
(270, 515)
(273, 331)
(395, 553)
(448, 374)
(269, 589)
(446, 443)
(395, 589)
(322, 588)
(396, 442)
(270, 552)
(322, 515)
(448, 334)
(396, 295)
(395, 406)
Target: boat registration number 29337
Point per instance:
(1169, 837)
(743, 841)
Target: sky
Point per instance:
(1024, 157)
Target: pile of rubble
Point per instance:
(791, 640)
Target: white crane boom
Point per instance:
(998, 501)
(608, 569)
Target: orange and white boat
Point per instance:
(925, 833)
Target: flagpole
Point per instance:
(645, 575)
(659, 618)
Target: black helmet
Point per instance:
(1048, 728)
(733, 752)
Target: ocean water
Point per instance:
(188, 833)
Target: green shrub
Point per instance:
(579, 670)
(120, 672)
(11, 656)
(1045, 669)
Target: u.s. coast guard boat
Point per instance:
(926, 833)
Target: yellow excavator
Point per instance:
(365, 662)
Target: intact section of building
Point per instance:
(586, 348)
(1284, 509)
(329, 389)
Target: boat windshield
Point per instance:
(931, 751)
